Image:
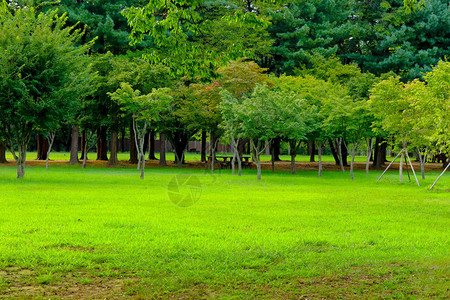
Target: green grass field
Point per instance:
(103, 233)
(171, 156)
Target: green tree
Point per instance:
(40, 73)
(146, 111)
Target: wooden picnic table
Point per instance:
(225, 160)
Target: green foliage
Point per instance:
(42, 72)
(195, 37)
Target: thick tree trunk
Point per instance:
(151, 142)
(380, 153)
(203, 149)
(311, 150)
(133, 149)
(42, 147)
(113, 160)
(333, 151)
(74, 146)
(276, 145)
(162, 150)
(179, 141)
(3, 153)
(344, 153)
(102, 141)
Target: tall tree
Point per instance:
(40, 68)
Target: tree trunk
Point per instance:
(3, 153)
(50, 140)
(42, 147)
(113, 160)
(311, 150)
(21, 160)
(213, 142)
(151, 151)
(341, 159)
(102, 147)
(276, 145)
(133, 148)
(369, 153)
(179, 140)
(162, 150)
(333, 151)
(83, 143)
(400, 170)
(203, 150)
(319, 152)
(258, 167)
(344, 153)
(380, 153)
(353, 153)
(74, 146)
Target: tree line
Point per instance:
(339, 74)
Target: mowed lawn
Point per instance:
(104, 233)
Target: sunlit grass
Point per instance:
(241, 235)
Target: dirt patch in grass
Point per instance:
(19, 283)
(364, 282)
(361, 282)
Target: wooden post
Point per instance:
(448, 165)
(412, 168)
(390, 165)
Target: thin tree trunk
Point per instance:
(21, 160)
(353, 153)
(369, 153)
(203, 149)
(311, 149)
(162, 150)
(113, 160)
(83, 143)
(400, 170)
(276, 144)
(333, 151)
(422, 160)
(51, 139)
(213, 145)
(86, 148)
(133, 147)
(273, 158)
(319, 152)
(339, 148)
(74, 146)
(3, 153)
